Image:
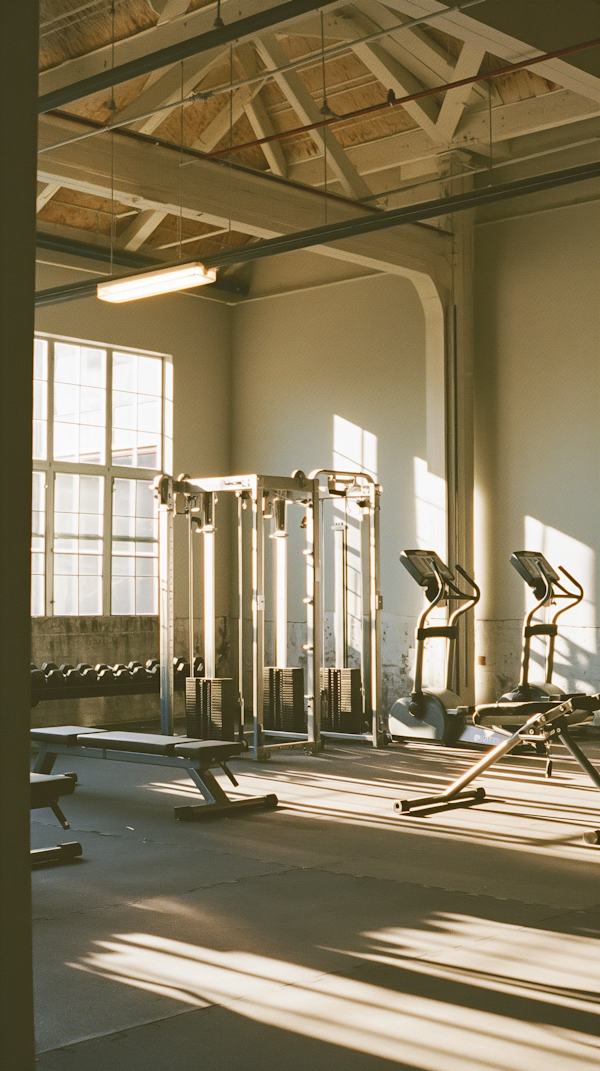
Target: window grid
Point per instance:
(111, 470)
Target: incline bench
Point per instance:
(196, 757)
(541, 722)
(45, 791)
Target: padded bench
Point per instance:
(197, 757)
(45, 791)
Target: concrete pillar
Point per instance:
(18, 112)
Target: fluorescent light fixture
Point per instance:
(152, 283)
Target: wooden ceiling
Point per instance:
(356, 77)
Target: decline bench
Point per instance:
(45, 791)
(195, 757)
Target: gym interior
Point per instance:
(382, 402)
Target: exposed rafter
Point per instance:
(303, 104)
(226, 118)
(46, 195)
(168, 9)
(217, 37)
(169, 88)
(453, 106)
(466, 27)
(394, 76)
(141, 228)
(257, 113)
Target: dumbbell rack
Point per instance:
(85, 682)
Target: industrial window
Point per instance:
(102, 429)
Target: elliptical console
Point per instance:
(548, 588)
(428, 714)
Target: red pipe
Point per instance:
(400, 101)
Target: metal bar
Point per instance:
(166, 621)
(258, 615)
(175, 53)
(190, 588)
(281, 600)
(208, 537)
(579, 756)
(375, 605)
(443, 206)
(313, 619)
(240, 552)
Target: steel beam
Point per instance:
(219, 37)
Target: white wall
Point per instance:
(355, 350)
(537, 436)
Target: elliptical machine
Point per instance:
(429, 714)
(547, 587)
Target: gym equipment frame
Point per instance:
(536, 724)
(434, 714)
(267, 497)
(354, 695)
(547, 587)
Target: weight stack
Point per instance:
(344, 703)
(211, 708)
(283, 699)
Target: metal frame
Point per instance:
(536, 724)
(345, 486)
(258, 490)
(108, 471)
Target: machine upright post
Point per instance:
(281, 615)
(375, 601)
(164, 486)
(258, 614)
(341, 589)
(240, 551)
(208, 534)
(191, 638)
(313, 618)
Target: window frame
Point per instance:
(109, 471)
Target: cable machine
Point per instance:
(215, 705)
(288, 710)
(351, 694)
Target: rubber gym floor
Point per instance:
(330, 935)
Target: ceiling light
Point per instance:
(152, 283)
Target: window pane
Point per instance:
(137, 410)
(134, 548)
(124, 371)
(79, 402)
(38, 545)
(150, 376)
(78, 521)
(123, 595)
(40, 399)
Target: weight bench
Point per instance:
(537, 723)
(45, 791)
(196, 757)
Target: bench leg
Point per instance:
(217, 802)
(61, 853)
(56, 811)
(45, 761)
